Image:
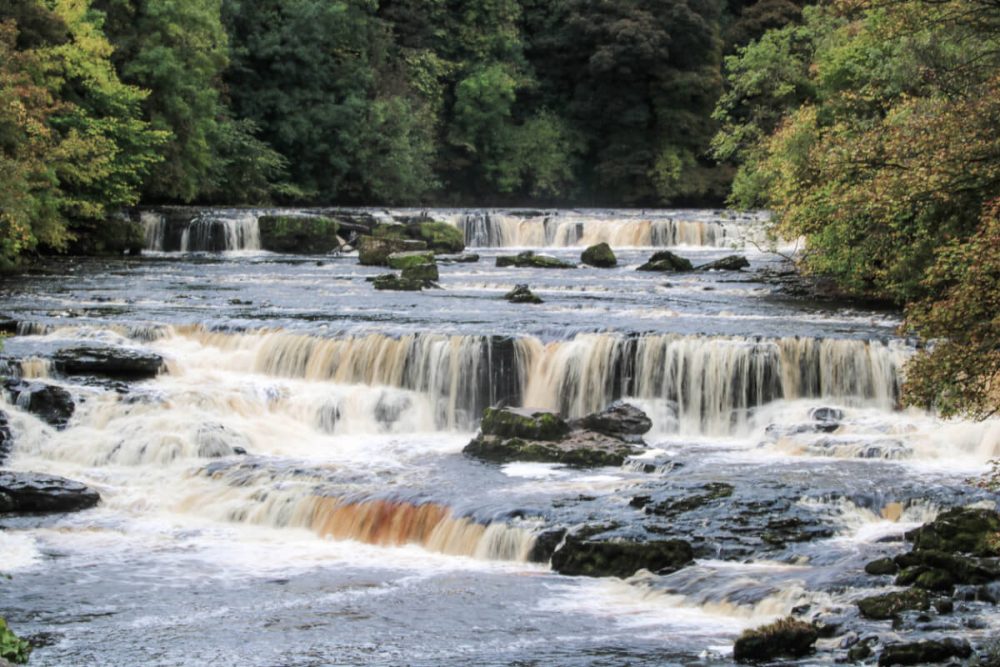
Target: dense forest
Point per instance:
(869, 127)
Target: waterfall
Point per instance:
(708, 384)
(491, 229)
(190, 230)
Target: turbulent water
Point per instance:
(290, 490)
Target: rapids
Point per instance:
(290, 489)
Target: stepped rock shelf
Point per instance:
(238, 446)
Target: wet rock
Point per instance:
(592, 558)
(882, 566)
(826, 414)
(787, 638)
(989, 593)
(53, 405)
(6, 437)
(960, 530)
(600, 256)
(524, 423)
(712, 491)
(466, 258)
(439, 236)
(619, 420)
(425, 273)
(926, 652)
(885, 606)
(859, 652)
(406, 260)
(390, 281)
(944, 605)
(545, 545)
(528, 259)
(582, 449)
(374, 251)
(730, 263)
(307, 235)
(522, 294)
(931, 579)
(114, 362)
(37, 493)
(665, 260)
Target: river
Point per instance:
(353, 530)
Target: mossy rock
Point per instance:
(529, 259)
(392, 282)
(522, 294)
(923, 653)
(964, 569)
(524, 423)
(441, 237)
(787, 638)
(373, 251)
(427, 273)
(882, 566)
(730, 263)
(593, 558)
(390, 231)
(307, 235)
(960, 530)
(406, 260)
(600, 256)
(665, 261)
(887, 605)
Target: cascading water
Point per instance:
(186, 230)
(292, 483)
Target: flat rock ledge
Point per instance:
(34, 493)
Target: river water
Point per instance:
(353, 531)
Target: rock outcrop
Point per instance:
(53, 405)
(729, 263)
(600, 256)
(375, 251)
(666, 261)
(37, 493)
(529, 259)
(522, 294)
(113, 362)
(787, 638)
(620, 558)
(307, 235)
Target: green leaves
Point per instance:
(13, 648)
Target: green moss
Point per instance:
(881, 607)
(13, 648)
(882, 566)
(511, 423)
(441, 237)
(787, 638)
(374, 251)
(389, 231)
(423, 272)
(307, 235)
(391, 281)
(529, 259)
(961, 530)
(406, 260)
(599, 255)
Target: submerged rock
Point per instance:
(729, 263)
(926, 652)
(425, 273)
(619, 420)
(522, 294)
(114, 362)
(887, 605)
(375, 251)
(466, 258)
(665, 260)
(390, 281)
(36, 493)
(787, 638)
(53, 405)
(600, 256)
(619, 558)
(529, 259)
(307, 235)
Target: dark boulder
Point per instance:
(960, 530)
(600, 256)
(730, 263)
(424, 273)
(923, 653)
(964, 569)
(665, 260)
(522, 294)
(6, 437)
(882, 566)
(392, 282)
(887, 605)
(584, 449)
(114, 362)
(619, 420)
(36, 493)
(307, 235)
(524, 423)
(529, 259)
(375, 251)
(53, 405)
(593, 558)
(787, 638)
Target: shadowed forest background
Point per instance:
(871, 128)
